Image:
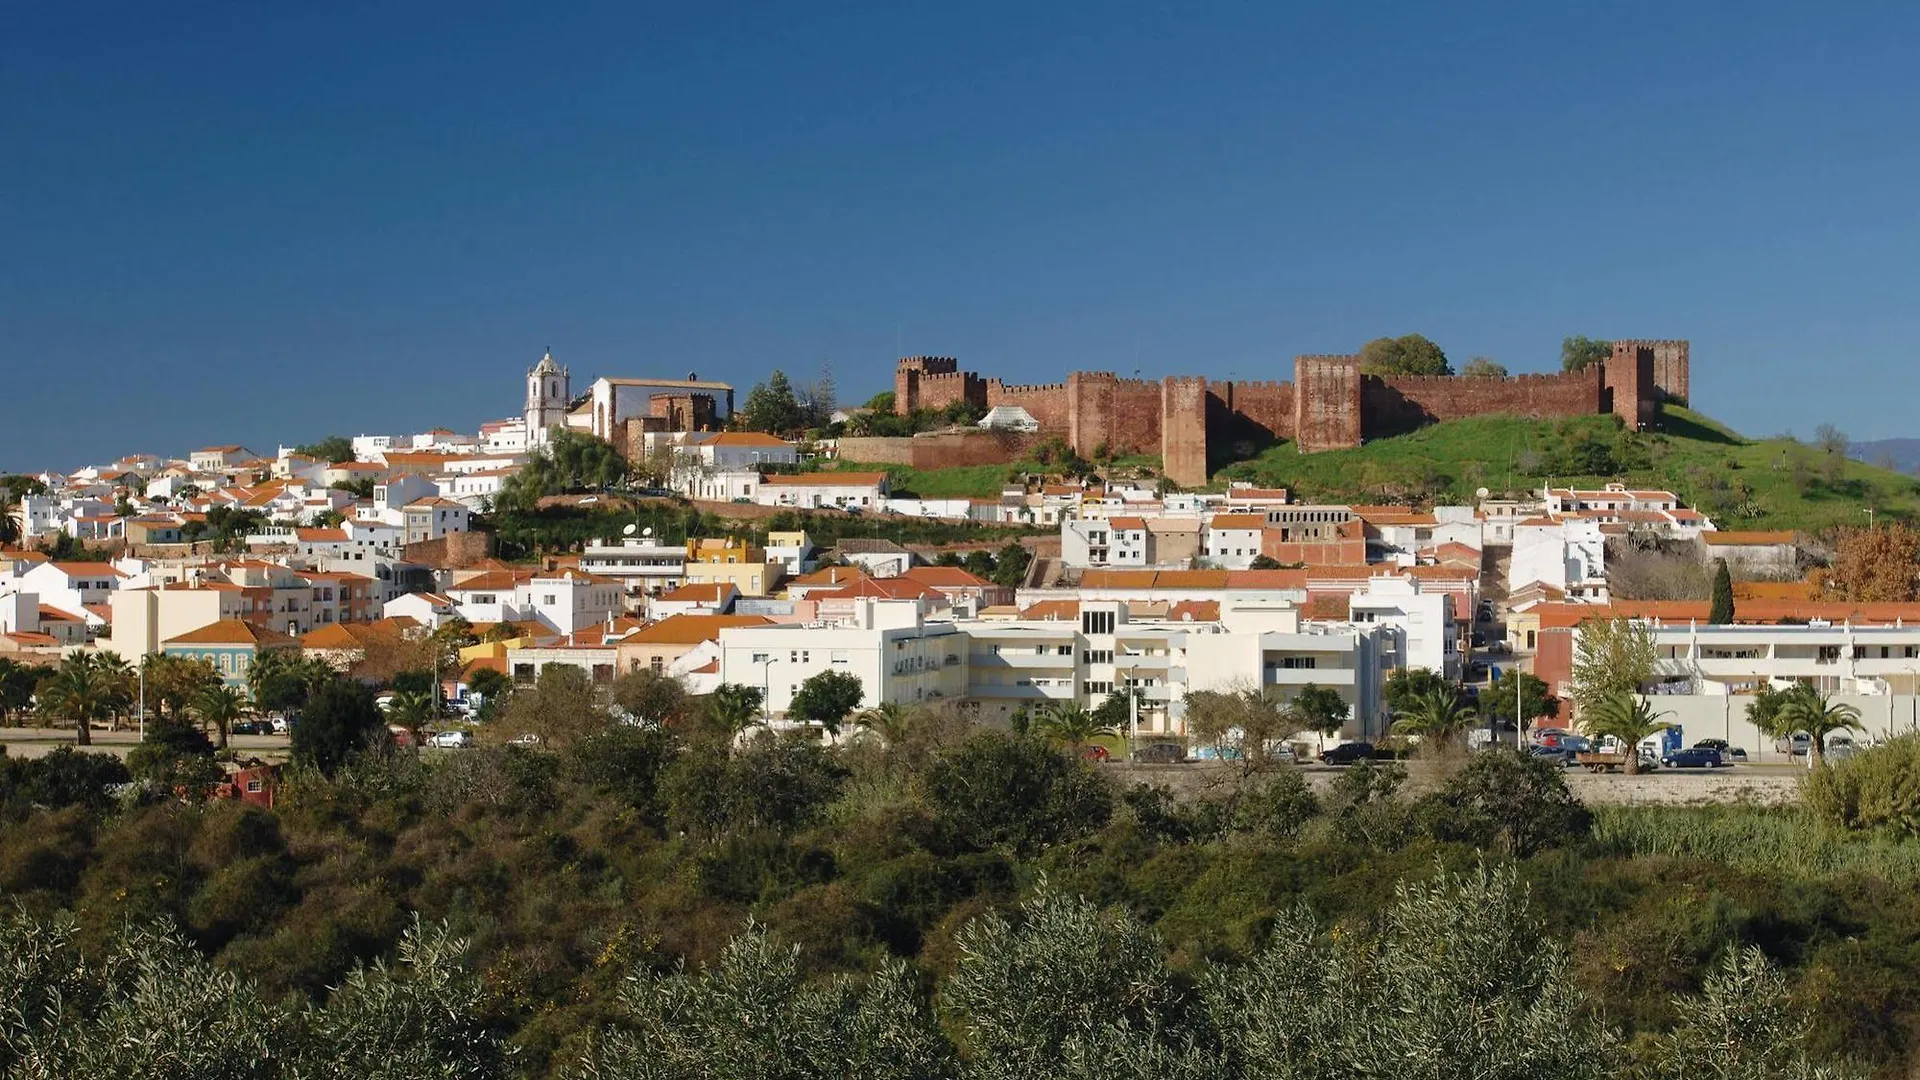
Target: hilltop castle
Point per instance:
(1329, 404)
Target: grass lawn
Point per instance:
(1741, 483)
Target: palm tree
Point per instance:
(1435, 716)
(9, 525)
(1818, 716)
(890, 720)
(1072, 725)
(1627, 717)
(83, 689)
(121, 681)
(411, 709)
(735, 707)
(217, 706)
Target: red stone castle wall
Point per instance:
(1327, 402)
(1046, 402)
(1103, 409)
(1392, 405)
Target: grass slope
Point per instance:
(1741, 483)
(977, 481)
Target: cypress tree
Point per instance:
(1722, 613)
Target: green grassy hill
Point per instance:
(1741, 483)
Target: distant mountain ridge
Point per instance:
(1904, 453)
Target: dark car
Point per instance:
(1563, 755)
(1161, 754)
(1693, 757)
(1347, 753)
(1727, 752)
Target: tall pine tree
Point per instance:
(1722, 613)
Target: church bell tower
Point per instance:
(547, 396)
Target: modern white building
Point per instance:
(1415, 628)
(896, 656)
(1570, 556)
(643, 567)
(829, 490)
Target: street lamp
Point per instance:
(1868, 510)
(766, 687)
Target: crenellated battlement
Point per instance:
(1329, 403)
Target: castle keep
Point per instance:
(1329, 404)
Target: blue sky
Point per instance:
(248, 222)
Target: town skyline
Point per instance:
(216, 217)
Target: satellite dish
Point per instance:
(1481, 493)
(648, 531)
(628, 531)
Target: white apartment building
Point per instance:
(1118, 542)
(1570, 556)
(1414, 628)
(842, 490)
(1706, 676)
(1232, 541)
(564, 602)
(897, 657)
(643, 567)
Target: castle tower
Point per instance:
(547, 396)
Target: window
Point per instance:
(657, 665)
(1064, 650)
(838, 656)
(1098, 656)
(1298, 663)
(253, 787)
(760, 658)
(1096, 622)
(1097, 687)
(996, 650)
(549, 601)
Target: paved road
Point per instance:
(33, 742)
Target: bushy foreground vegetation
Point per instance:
(660, 902)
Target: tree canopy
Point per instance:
(1481, 367)
(1409, 354)
(1578, 353)
(333, 449)
(1877, 564)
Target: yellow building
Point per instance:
(733, 562)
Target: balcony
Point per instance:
(1276, 676)
(1050, 661)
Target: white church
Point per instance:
(609, 407)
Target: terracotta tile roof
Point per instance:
(1362, 573)
(434, 501)
(336, 636)
(945, 577)
(88, 569)
(54, 614)
(1052, 609)
(233, 632)
(692, 629)
(830, 575)
(27, 637)
(321, 536)
(1238, 521)
(1325, 606)
(825, 479)
(1753, 612)
(1773, 590)
(491, 581)
(1745, 539)
(1266, 579)
(1127, 523)
(1195, 611)
(881, 589)
(746, 438)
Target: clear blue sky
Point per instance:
(248, 222)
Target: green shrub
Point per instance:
(1507, 800)
(1877, 788)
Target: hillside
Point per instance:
(1902, 454)
(1741, 483)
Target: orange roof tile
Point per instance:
(1238, 521)
(692, 629)
(1052, 609)
(1195, 611)
(700, 592)
(233, 632)
(945, 577)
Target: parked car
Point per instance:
(1095, 752)
(1211, 752)
(1161, 754)
(451, 739)
(1347, 753)
(280, 725)
(1795, 745)
(1730, 753)
(1693, 757)
(1558, 754)
(527, 740)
